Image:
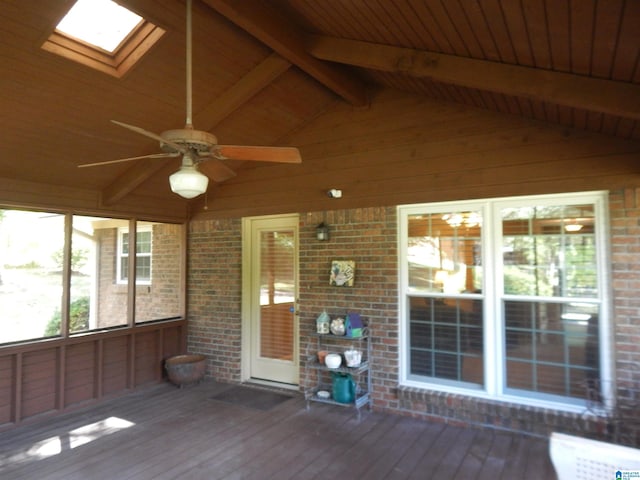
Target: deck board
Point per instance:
(432, 458)
(406, 433)
(185, 434)
(471, 464)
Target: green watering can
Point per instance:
(344, 388)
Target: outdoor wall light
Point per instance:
(322, 232)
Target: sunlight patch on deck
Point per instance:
(74, 438)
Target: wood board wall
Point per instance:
(44, 378)
(407, 149)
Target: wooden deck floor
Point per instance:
(170, 433)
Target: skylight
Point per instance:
(102, 35)
(102, 23)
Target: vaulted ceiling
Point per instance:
(266, 69)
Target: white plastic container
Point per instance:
(333, 360)
(353, 358)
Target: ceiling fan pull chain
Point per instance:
(189, 123)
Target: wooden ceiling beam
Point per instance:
(131, 179)
(281, 35)
(588, 93)
(241, 92)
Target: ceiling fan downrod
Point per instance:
(189, 121)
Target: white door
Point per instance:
(271, 285)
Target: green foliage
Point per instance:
(78, 318)
(27, 266)
(551, 265)
(519, 281)
(78, 258)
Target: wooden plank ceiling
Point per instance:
(265, 69)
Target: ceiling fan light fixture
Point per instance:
(188, 182)
(573, 227)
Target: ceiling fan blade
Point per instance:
(260, 154)
(146, 133)
(216, 170)
(120, 160)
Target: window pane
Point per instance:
(143, 242)
(158, 271)
(277, 293)
(143, 253)
(541, 292)
(124, 269)
(31, 262)
(551, 348)
(143, 268)
(444, 252)
(31, 269)
(549, 251)
(125, 243)
(446, 339)
(144, 245)
(82, 309)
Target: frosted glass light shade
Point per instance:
(188, 182)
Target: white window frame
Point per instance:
(119, 278)
(494, 387)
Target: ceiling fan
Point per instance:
(197, 146)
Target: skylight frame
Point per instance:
(132, 48)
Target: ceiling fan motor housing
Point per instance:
(195, 140)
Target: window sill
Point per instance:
(506, 413)
(415, 391)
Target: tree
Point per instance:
(78, 258)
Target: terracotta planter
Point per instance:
(186, 369)
(321, 355)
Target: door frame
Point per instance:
(246, 304)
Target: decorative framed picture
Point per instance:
(342, 273)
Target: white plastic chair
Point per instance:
(576, 458)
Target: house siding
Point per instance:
(369, 237)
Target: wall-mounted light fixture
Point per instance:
(322, 232)
(334, 193)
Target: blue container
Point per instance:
(344, 388)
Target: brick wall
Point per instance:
(112, 298)
(624, 207)
(369, 237)
(159, 300)
(214, 295)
